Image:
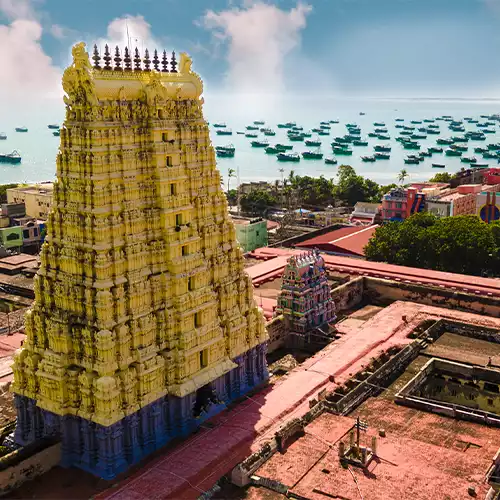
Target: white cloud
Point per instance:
(17, 9)
(59, 32)
(139, 35)
(259, 36)
(28, 73)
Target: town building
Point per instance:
(251, 233)
(348, 240)
(305, 300)
(398, 204)
(488, 206)
(365, 213)
(37, 198)
(144, 322)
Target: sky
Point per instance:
(263, 49)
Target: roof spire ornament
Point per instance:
(173, 64)
(96, 58)
(127, 60)
(107, 58)
(156, 61)
(137, 60)
(117, 59)
(164, 62)
(147, 61)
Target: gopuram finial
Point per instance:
(117, 59)
(137, 60)
(164, 62)
(96, 58)
(173, 64)
(156, 61)
(127, 61)
(147, 61)
(107, 58)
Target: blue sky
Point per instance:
(445, 48)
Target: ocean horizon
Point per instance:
(39, 147)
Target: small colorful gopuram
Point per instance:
(144, 322)
(305, 299)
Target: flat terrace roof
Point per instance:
(276, 258)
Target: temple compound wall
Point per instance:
(144, 322)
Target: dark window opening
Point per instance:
(26, 233)
(178, 219)
(490, 401)
(169, 161)
(190, 284)
(205, 396)
(172, 188)
(197, 319)
(491, 387)
(184, 250)
(203, 358)
(164, 137)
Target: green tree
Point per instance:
(352, 187)
(402, 176)
(257, 202)
(230, 173)
(461, 244)
(441, 177)
(3, 191)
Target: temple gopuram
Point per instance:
(305, 300)
(144, 322)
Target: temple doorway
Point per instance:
(205, 397)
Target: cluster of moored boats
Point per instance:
(410, 135)
(15, 157)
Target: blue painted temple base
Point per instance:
(109, 451)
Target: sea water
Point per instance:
(39, 147)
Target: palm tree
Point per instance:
(230, 173)
(402, 176)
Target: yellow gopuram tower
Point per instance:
(144, 322)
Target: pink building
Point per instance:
(400, 203)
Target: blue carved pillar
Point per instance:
(133, 450)
(110, 459)
(87, 457)
(70, 445)
(145, 426)
(23, 422)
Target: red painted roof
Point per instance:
(348, 240)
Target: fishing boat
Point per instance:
(435, 149)
(296, 137)
(358, 142)
(324, 132)
(221, 153)
(459, 147)
(325, 123)
(3, 136)
(21, 129)
(378, 124)
(418, 136)
(481, 149)
(411, 145)
(432, 131)
(384, 137)
(259, 122)
(351, 125)
(56, 133)
(433, 126)
(453, 152)
(382, 156)
(438, 165)
(297, 128)
(251, 135)
(12, 158)
(316, 130)
(259, 144)
(488, 131)
(286, 125)
(428, 120)
(272, 150)
(444, 142)
(479, 165)
(269, 132)
(494, 146)
(398, 125)
(468, 159)
(53, 126)
(284, 147)
(362, 113)
(415, 121)
(227, 147)
(331, 160)
(368, 158)
(400, 119)
(313, 142)
(382, 147)
(219, 125)
(412, 161)
(380, 131)
(372, 134)
(342, 151)
(288, 157)
(490, 155)
(334, 121)
(425, 153)
(251, 127)
(312, 155)
(409, 127)
(240, 132)
(405, 132)
(307, 134)
(460, 138)
(226, 131)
